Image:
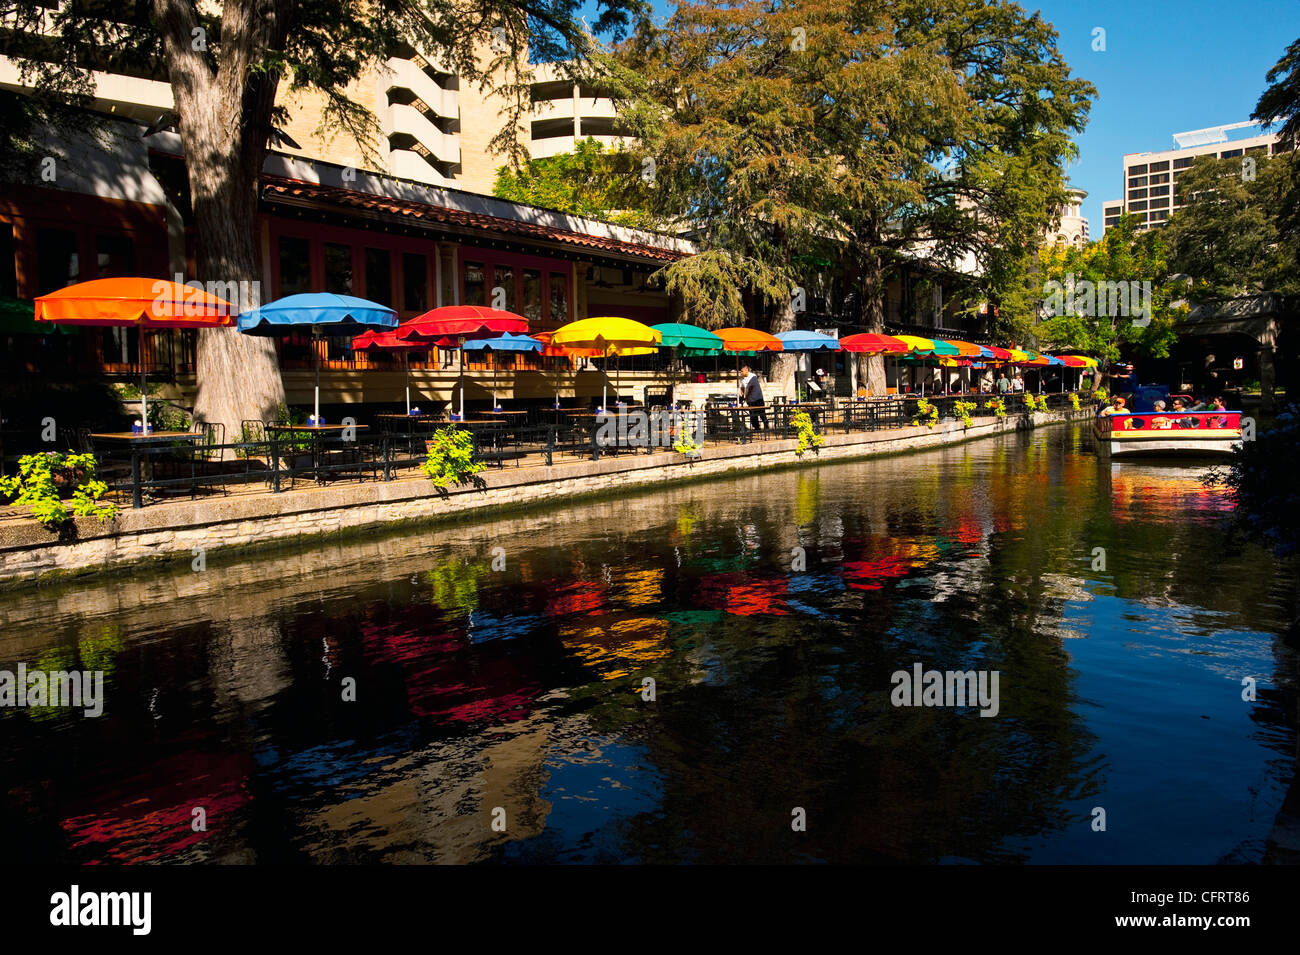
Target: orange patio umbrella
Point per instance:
(749, 341)
(142, 302)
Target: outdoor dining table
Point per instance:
(318, 432)
(134, 440)
(413, 419)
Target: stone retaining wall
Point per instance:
(179, 530)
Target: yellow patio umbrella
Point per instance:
(613, 336)
(1018, 357)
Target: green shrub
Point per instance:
(35, 486)
(686, 445)
(963, 409)
(998, 406)
(926, 414)
(451, 458)
(1074, 400)
(809, 439)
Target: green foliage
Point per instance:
(963, 409)
(1033, 403)
(1102, 394)
(926, 414)
(1123, 255)
(1261, 481)
(790, 159)
(686, 445)
(1074, 400)
(451, 458)
(292, 442)
(998, 406)
(588, 182)
(36, 486)
(1227, 237)
(809, 439)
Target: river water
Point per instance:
(477, 693)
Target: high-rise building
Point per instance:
(433, 129)
(1149, 178)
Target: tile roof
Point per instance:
(276, 187)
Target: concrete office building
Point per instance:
(1149, 178)
(433, 129)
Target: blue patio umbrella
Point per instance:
(326, 313)
(799, 340)
(507, 342)
(804, 341)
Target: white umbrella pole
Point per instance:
(315, 347)
(604, 375)
(406, 366)
(462, 382)
(144, 401)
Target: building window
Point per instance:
(415, 282)
(474, 283)
(1137, 206)
(58, 263)
(559, 297)
(1159, 191)
(1230, 154)
(1137, 194)
(1137, 181)
(503, 277)
(532, 305)
(1160, 216)
(1184, 163)
(295, 265)
(1137, 170)
(1159, 166)
(8, 262)
(1162, 203)
(338, 268)
(114, 256)
(379, 276)
(1156, 180)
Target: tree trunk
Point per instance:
(783, 363)
(225, 115)
(871, 368)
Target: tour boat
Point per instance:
(1177, 433)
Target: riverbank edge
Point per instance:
(194, 530)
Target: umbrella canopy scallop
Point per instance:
(748, 340)
(692, 339)
(148, 302)
(799, 340)
(872, 344)
(928, 346)
(326, 313)
(611, 336)
(461, 321)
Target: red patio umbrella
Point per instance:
(388, 341)
(452, 325)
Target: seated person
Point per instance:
(1115, 407)
(1161, 423)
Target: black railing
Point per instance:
(282, 456)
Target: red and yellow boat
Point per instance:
(1168, 433)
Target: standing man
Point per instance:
(1003, 384)
(751, 393)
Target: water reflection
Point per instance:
(516, 695)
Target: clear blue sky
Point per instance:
(1169, 66)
